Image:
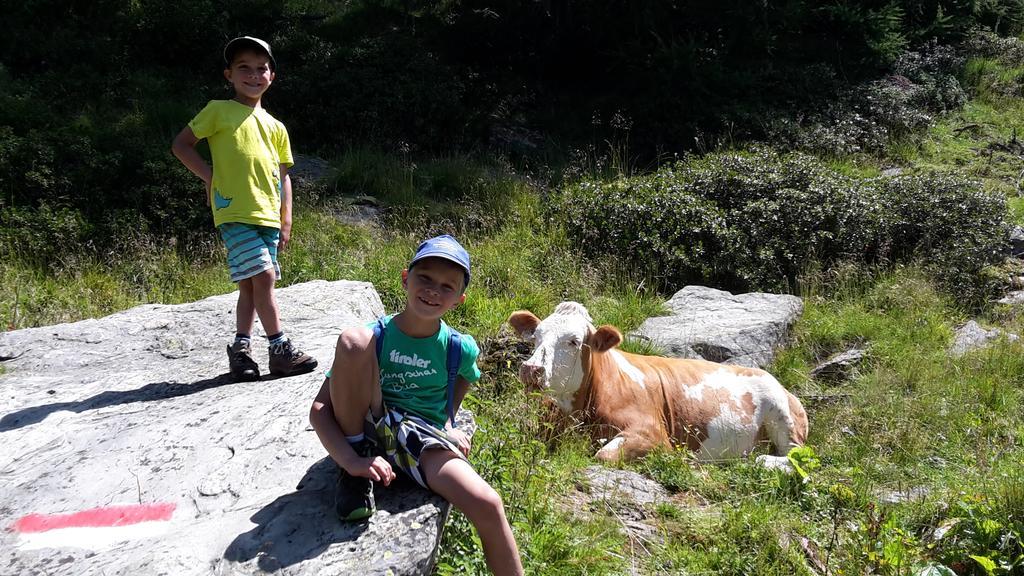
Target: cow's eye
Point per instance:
(574, 342)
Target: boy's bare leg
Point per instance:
(355, 386)
(240, 363)
(455, 480)
(245, 310)
(264, 300)
(338, 415)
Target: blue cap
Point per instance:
(446, 247)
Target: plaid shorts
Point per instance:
(401, 438)
(251, 249)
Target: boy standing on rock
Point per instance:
(391, 396)
(251, 200)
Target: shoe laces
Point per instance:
(240, 349)
(286, 349)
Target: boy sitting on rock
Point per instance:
(386, 405)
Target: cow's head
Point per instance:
(562, 344)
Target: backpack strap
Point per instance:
(378, 337)
(454, 360)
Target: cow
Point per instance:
(635, 403)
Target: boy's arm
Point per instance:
(461, 388)
(460, 438)
(286, 207)
(184, 148)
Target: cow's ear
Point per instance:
(524, 323)
(605, 338)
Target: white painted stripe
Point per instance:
(91, 538)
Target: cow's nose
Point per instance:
(531, 374)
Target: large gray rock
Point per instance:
(743, 329)
(136, 409)
(1013, 298)
(628, 496)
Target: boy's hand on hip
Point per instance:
(375, 468)
(460, 439)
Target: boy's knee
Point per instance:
(264, 279)
(488, 501)
(356, 342)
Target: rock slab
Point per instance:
(135, 412)
(715, 325)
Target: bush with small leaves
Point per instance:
(758, 219)
(868, 116)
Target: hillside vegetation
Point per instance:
(865, 156)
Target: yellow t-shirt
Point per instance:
(248, 147)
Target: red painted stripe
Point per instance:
(97, 517)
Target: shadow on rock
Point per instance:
(147, 393)
(302, 526)
(297, 526)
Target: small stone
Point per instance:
(1013, 298)
(839, 367)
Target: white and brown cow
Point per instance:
(641, 402)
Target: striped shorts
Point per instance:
(251, 249)
(401, 438)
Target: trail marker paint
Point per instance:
(94, 528)
(96, 517)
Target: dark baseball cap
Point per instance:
(446, 247)
(247, 43)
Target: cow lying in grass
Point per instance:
(642, 402)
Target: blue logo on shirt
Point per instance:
(220, 201)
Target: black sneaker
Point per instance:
(243, 367)
(353, 497)
(286, 360)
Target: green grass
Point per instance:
(1016, 208)
(980, 138)
(30, 296)
(912, 418)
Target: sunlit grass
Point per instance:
(30, 296)
(912, 418)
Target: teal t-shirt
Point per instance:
(414, 371)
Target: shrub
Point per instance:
(759, 219)
(994, 67)
(987, 44)
(652, 222)
(45, 236)
(869, 115)
(949, 221)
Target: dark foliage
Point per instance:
(91, 93)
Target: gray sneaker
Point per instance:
(286, 360)
(243, 367)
